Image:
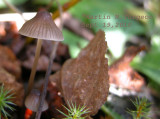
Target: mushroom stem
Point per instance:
(33, 71)
(43, 94)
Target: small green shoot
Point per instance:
(75, 112)
(142, 109)
(5, 103)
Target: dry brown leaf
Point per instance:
(43, 62)
(84, 80)
(2, 30)
(62, 49)
(62, 55)
(9, 62)
(55, 101)
(47, 47)
(121, 73)
(10, 83)
(17, 45)
(8, 31)
(56, 79)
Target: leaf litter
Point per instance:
(84, 80)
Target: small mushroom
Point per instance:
(41, 27)
(48, 72)
(32, 101)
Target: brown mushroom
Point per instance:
(41, 27)
(32, 101)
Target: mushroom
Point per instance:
(48, 72)
(41, 27)
(32, 101)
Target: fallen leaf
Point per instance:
(62, 49)
(55, 101)
(56, 78)
(122, 74)
(9, 61)
(10, 83)
(62, 55)
(47, 47)
(43, 62)
(9, 32)
(84, 80)
(17, 45)
(2, 30)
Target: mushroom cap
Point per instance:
(32, 101)
(42, 26)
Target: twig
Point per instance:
(13, 8)
(65, 7)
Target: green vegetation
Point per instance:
(149, 64)
(5, 96)
(107, 110)
(75, 112)
(142, 109)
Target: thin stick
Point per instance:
(33, 71)
(43, 95)
(65, 7)
(60, 9)
(13, 8)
